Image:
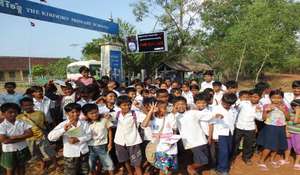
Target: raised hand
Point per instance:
(68, 126)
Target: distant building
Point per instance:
(181, 69)
(17, 68)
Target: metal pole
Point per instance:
(29, 57)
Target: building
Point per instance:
(180, 70)
(17, 68)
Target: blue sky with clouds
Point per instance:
(46, 39)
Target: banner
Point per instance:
(43, 12)
(116, 65)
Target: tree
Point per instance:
(180, 18)
(38, 70)
(250, 36)
(58, 69)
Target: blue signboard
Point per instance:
(43, 12)
(116, 65)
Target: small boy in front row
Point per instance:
(127, 139)
(76, 134)
(191, 132)
(13, 134)
(101, 143)
(38, 144)
(223, 131)
(249, 111)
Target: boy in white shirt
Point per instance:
(223, 131)
(249, 111)
(191, 132)
(289, 97)
(232, 87)
(43, 104)
(127, 138)
(76, 134)
(13, 134)
(147, 102)
(101, 143)
(187, 94)
(85, 96)
(208, 80)
(218, 93)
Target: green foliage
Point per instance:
(58, 69)
(92, 50)
(261, 32)
(38, 70)
(238, 38)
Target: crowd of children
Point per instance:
(149, 127)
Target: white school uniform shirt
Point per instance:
(247, 114)
(188, 96)
(44, 106)
(127, 133)
(205, 124)
(72, 150)
(224, 126)
(10, 98)
(9, 129)
(288, 98)
(147, 132)
(139, 98)
(82, 102)
(217, 99)
(99, 130)
(156, 125)
(103, 109)
(205, 85)
(265, 100)
(189, 126)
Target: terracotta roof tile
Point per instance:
(10, 63)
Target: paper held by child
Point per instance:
(171, 140)
(74, 132)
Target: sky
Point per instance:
(19, 38)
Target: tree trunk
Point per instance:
(261, 67)
(240, 64)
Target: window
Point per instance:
(73, 69)
(12, 75)
(2, 76)
(25, 73)
(94, 69)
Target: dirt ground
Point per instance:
(239, 168)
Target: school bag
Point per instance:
(152, 146)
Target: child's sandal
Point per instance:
(263, 167)
(275, 164)
(297, 167)
(283, 162)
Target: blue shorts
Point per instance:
(100, 153)
(200, 154)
